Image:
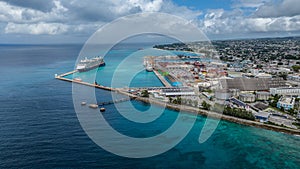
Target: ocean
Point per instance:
(40, 129)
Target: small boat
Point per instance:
(94, 106)
(83, 103)
(102, 109)
(77, 79)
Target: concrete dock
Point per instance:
(62, 77)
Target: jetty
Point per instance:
(62, 77)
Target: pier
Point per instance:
(159, 76)
(62, 77)
(162, 79)
(66, 74)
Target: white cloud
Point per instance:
(281, 8)
(36, 29)
(230, 22)
(79, 16)
(249, 3)
(16, 14)
(84, 17)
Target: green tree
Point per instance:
(205, 105)
(145, 93)
(292, 112)
(284, 76)
(177, 100)
(240, 113)
(170, 99)
(296, 68)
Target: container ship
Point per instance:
(89, 64)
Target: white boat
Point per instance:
(94, 106)
(149, 68)
(89, 64)
(148, 65)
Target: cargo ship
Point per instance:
(89, 64)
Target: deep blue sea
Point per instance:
(39, 127)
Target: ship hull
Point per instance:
(149, 69)
(91, 67)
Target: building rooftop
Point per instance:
(266, 93)
(247, 95)
(287, 100)
(261, 106)
(252, 84)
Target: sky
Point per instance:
(74, 21)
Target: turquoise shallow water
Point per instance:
(39, 127)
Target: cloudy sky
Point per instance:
(73, 21)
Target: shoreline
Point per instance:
(197, 53)
(187, 109)
(211, 114)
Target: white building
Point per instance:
(247, 97)
(254, 72)
(263, 75)
(294, 78)
(177, 92)
(222, 94)
(262, 95)
(288, 91)
(286, 102)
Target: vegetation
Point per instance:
(207, 90)
(145, 93)
(240, 113)
(296, 68)
(292, 112)
(297, 124)
(273, 102)
(283, 75)
(205, 105)
(177, 100)
(259, 66)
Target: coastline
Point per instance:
(215, 115)
(188, 109)
(197, 53)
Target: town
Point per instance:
(256, 79)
